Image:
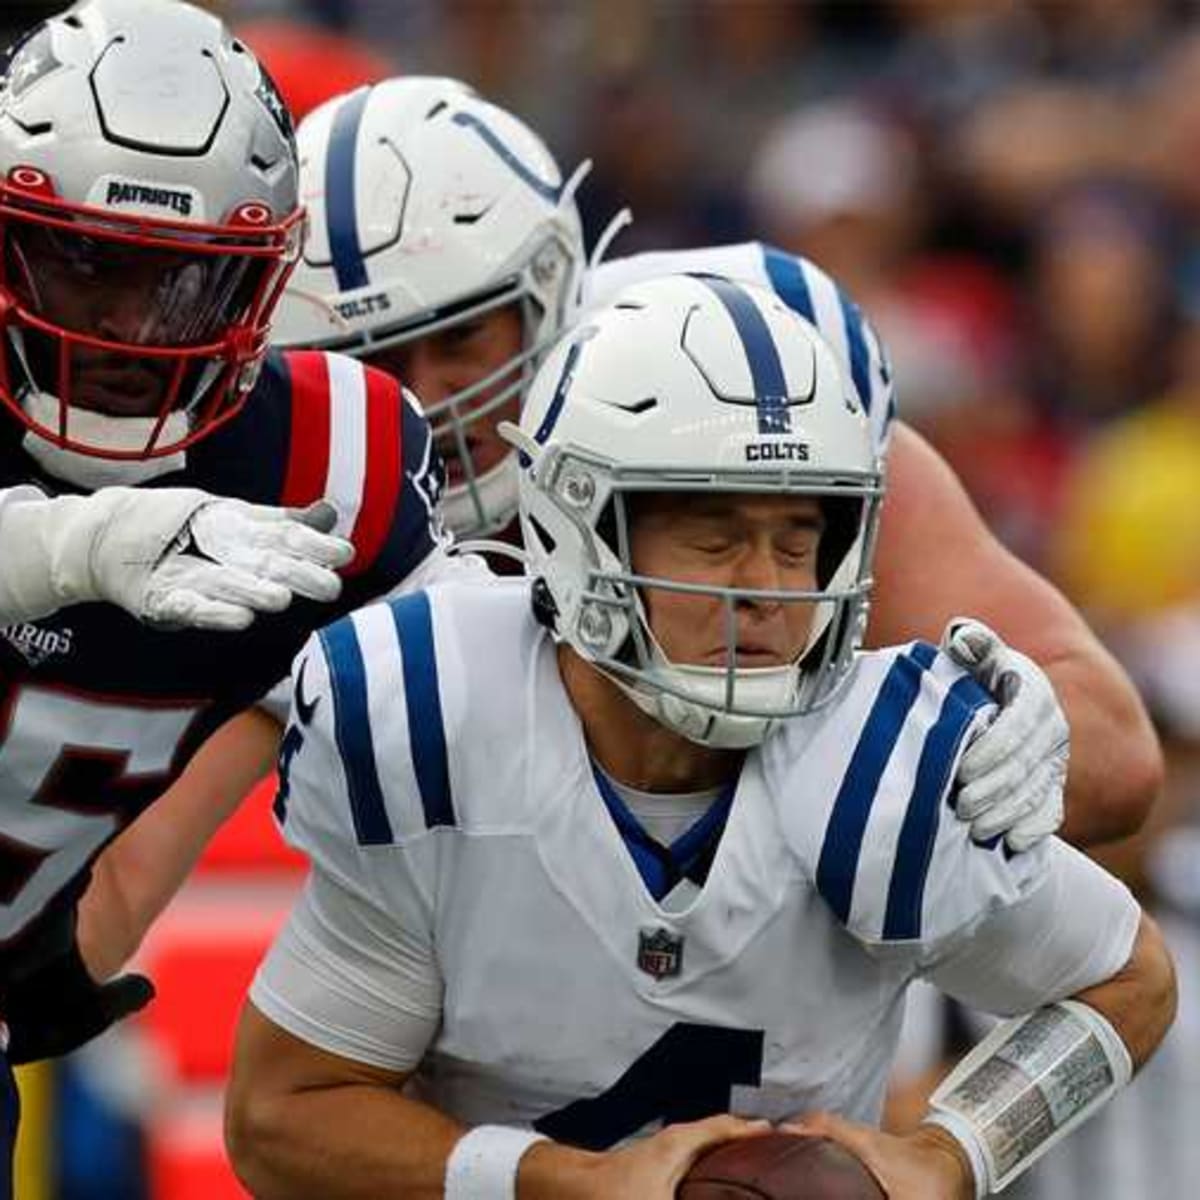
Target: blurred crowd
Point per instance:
(1010, 188)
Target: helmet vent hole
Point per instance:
(73, 21)
(440, 106)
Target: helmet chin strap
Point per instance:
(485, 505)
(110, 433)
(693, 706)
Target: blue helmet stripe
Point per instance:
(341, 212)
(352, 730)
(840, 852)
(766, 369)
(546, 428)
(787, 278)
(548, 191)
(426, 730)
(856, 340)
(918, 832)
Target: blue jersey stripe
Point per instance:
(426, 731)
(340, 207)
(918, 833)
(766, 369)
(787, 278)
(352, 729)
(838, 864)
(856, 340)
(548, 191)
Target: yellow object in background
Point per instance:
(34, 1171)
(1128, 543)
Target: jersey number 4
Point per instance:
(689, 1073)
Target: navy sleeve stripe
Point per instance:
(352, 728)
(856, 340)
(918, 833)
(426, 731)
(341, 210)
(838, 864)
(787, 278)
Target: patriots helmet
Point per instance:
(149, 219)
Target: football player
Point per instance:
(149, 218)
(642, 840)
(445, 245)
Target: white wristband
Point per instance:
(483, 1164)
(1026, 1086)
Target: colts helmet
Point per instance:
(138, 141)
(694, 384)
(429, 208)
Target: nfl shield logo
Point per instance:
(660, 952)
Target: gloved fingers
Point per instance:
(185, 608)
(969, 643)
(230, 583)
(1029, 726)
(1000, 818)
(319, 515)
(1040, 823)
(1028, 815)
(241, 535)
(299, 576)
(1009, 777)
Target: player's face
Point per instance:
(444, 363)
(761, 542)
(136, 296)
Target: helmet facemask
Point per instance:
(589, 506)
(128, 337)
(481, 500)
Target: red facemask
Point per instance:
(134, 316)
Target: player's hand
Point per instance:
(181, 558)
(1011, 777)
(60, 1007)
(648, 1169)
(925, 1165)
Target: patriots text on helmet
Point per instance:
(122, 192)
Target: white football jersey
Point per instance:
(799, 283)
(475, 909)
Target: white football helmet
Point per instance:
(138, 142)
(429, 207)
(698, 384)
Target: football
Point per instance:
(779, 1166)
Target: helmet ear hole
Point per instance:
(842, 517)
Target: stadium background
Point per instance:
(1011, 188)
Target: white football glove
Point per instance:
(173, 557)
(1011, 777)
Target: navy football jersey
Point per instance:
(99, 713)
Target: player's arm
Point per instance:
(301, 1121)
(1115, 764)
(176, 557)
(135, 877)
